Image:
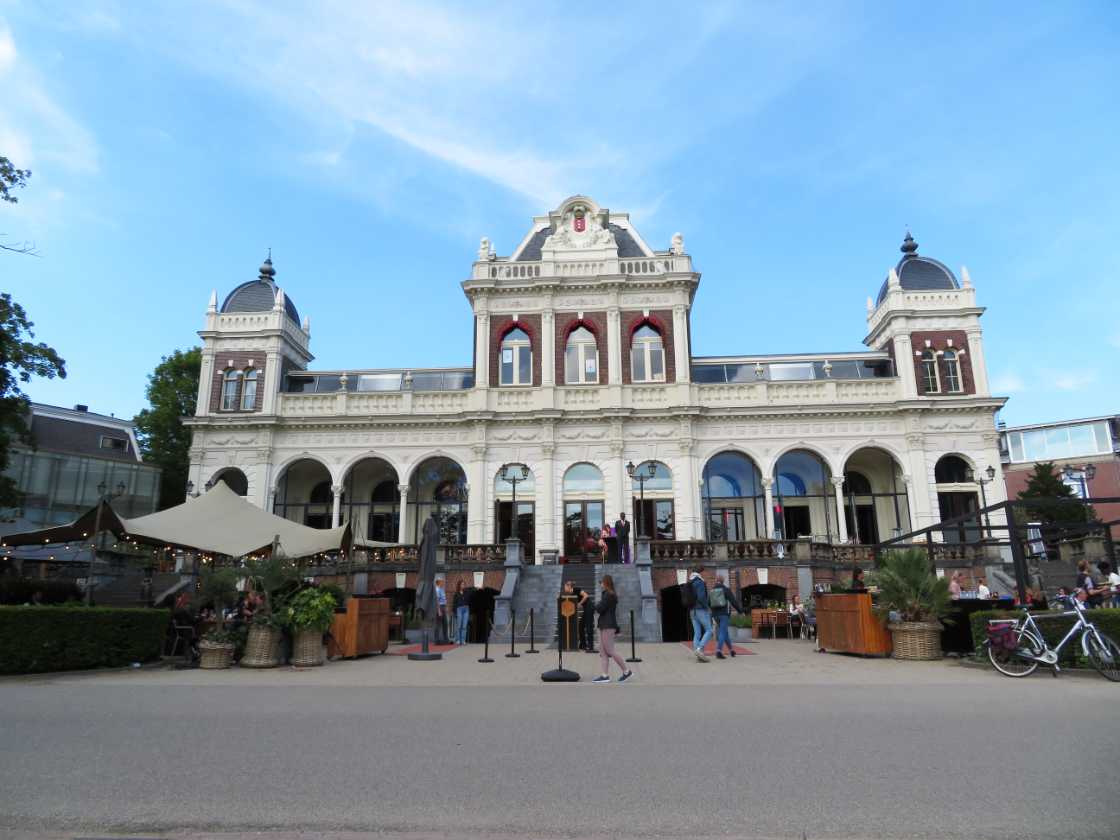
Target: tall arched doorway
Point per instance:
(303, 494)
(957, 495)
(584, 514)
(373, 499)
(439, 488)
(802, 482)
(734, 502)
(876, 507)
(655, 515)
(526, 507)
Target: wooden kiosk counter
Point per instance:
(361, 628)
(846, 624)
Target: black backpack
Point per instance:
(688, 596)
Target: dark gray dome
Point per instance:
(919, 274)
(259, 295)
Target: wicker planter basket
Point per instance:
(917, 640)
(262, 650)
(307, 648)
(215, 655)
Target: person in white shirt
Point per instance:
(1113, 582)
(982, 591)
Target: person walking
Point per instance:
(701, 613)
(722, 601)
(608, 627)
(622, 532)
(462, 613)
(441, 613)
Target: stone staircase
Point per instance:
(537, 589)
(628, 588)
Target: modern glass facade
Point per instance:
(60, 487)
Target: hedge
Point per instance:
(1107, 620)
(15, 590)
(38, 639)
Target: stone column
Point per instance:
(482, 350)
(976, 361)
(545, 502)
(841, 522)
(614, 346)
(336, 504)
(680, 343)
(689, 518)
(205, 383)
(904, 364)
(913, 510)
(767, 486)
(272, 383)
(402, 521)
(476, 497)
(548, 349)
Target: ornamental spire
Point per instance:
(909, 246)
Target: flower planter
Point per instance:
(916, 640)
(262, 650)
(215, 655)
(307, 648)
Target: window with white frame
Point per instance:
(647, 355)
(231, 386)
(1072, 441)
(952, 372)
(249, 391)
(516, 366)
(930, 382)
(581, 358)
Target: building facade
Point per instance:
(581, 366)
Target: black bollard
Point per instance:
(532, 634)
(560, 673)
(486, 644)
(512, 633)
(633, 643)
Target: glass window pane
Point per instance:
(657, 362)
(845, 370)
(525, 366)
(458, 380)
(507, 367)
(327, 383)
(301, 384)
(1081, 440)
(791, 371)
(1034, 445)
(639, 358)
(582, 480)
(430, 381)
(662, 477)
(1015, 444)
(730, 475)
(590, 364)
(646, 331)
(516, 334)
(379, 382)
(709, 373)
(571, 364)
(1104, 439)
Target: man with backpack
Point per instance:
(722, 601)
(694, 596)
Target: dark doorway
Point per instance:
(797, 521)
(525, 526)
(726, 525)
(955, 504)
(482, 612)
(657, 519)
(866, 530)
(582, 523)
(676, 624)
(400, 599)
(761, 594)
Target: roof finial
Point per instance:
(267, 271)
(909, 246)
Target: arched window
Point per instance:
(584, 511)
(930, 383)
(581, 358)
(856, 484)
(583, 479)
(321, 494)
(952, 371)
(230, 387)
(249, 391)
(517, 358)
(734, 498)
(952, 469)
(647, 355)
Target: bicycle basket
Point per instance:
(1002, 636)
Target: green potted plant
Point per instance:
(272, 581)
(219, 588)
(740, 630)
(916, 600)
(309, 613)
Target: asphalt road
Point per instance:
(998, 759)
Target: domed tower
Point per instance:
(930, 324)
(248, 345)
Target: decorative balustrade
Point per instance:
(474, 555)
(681, 552)
(776, 550)
(369, 403)
(402, 555)
(581, 398)
(853, 555)
(440, 402)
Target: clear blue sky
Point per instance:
(371, 145)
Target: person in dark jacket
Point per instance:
(622, 531)
(462, 606)
(722, 601)
(701, 614)
(608, 627)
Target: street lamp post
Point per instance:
(514, 474)
(991, 473)
(640, 477)
(102, 500)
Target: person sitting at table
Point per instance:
(857, 580)
(982, 591)
(955, 586)
(796, 607)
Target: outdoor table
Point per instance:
(846, 624)
(760, 616)
(956, 633)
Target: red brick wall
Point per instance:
(381, 581)
(241, 362)
(939, 342)
(596, 322)
(1104, 485)
(660, 319)
(531, 324)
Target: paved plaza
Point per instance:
(772, 745)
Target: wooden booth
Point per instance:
(361, 628)
(847, 624)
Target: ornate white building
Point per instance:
(582, 364)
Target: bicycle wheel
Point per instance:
(1017, 663)
(1103, 654)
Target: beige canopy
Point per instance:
(221, 522)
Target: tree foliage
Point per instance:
(907, 585)
(21, 358)
(10, 179)
(1045, 482)
(164, 441)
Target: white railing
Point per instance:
(629, 266)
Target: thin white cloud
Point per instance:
(1074, 381)
(1008, 383)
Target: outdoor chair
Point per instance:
(182, 634)
(796, 623)
(779, 619)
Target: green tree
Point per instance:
(12, 179)
(1046, 483)
(20, 359)
(164, 440)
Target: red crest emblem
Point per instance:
(580, 222)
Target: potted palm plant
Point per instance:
(272, 580)
(309, 613)
(217, 587)
(916, 600)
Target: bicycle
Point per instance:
(1016, 647)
